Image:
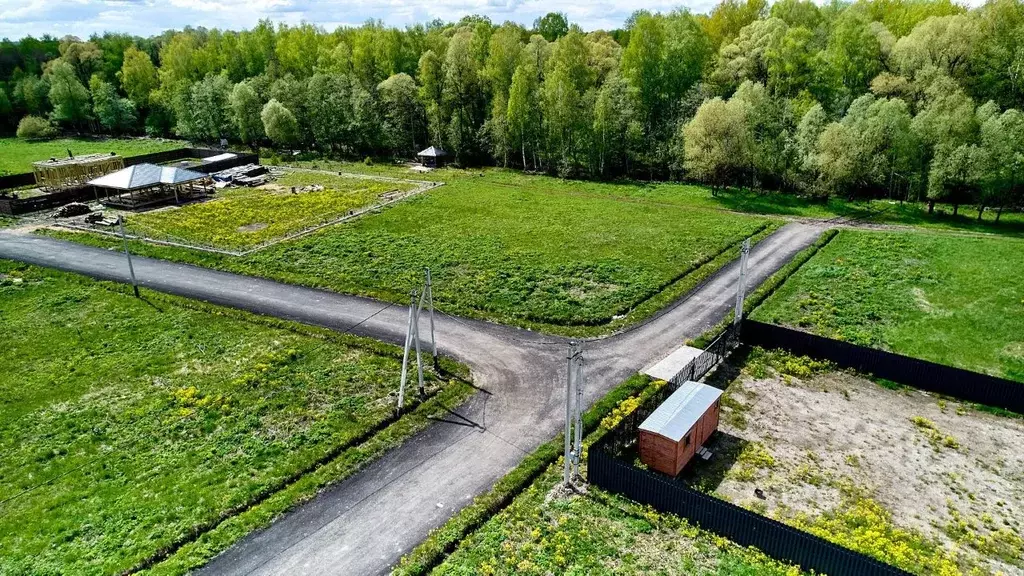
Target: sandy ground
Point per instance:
(960, 465)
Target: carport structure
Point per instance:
(145, 185)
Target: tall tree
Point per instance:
(116, 115)
(138, 76)
(279, 124)
(245, 112)
(69, 98)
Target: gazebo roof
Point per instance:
(146, 175)
(433, 152)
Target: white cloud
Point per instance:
(147, 17)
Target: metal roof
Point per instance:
(680, 411)
(433, 151)
(146, 175)
(219, 157)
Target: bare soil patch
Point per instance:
(942, 469)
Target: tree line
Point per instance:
(904, 99)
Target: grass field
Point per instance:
(243, 218)
(17, 155)
(552, 253)
(950, 299)
(734, 199)
(129, 426)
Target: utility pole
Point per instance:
(128, 255)
(573, 413)
(741, 286)
(405, 355)
(416, 338)
(430, 305)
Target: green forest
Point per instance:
(901, 99)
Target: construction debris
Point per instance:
(245, 175)
(72, 209)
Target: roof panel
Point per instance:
(146, 175)
(680, 411)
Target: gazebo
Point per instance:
(432, 157)
(144, 185)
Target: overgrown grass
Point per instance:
(242, 218)
(551, 255)
(950, 299)
(129, 427)
(17, 155)
(596, 533)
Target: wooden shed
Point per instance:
(677, 429)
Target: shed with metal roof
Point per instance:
(676, 430)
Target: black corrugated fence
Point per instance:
(742, 526)
(913, 372)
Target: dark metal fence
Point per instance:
(914, 372)
(742, 526)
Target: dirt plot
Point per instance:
(829, 449)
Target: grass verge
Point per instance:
(441, 541)
(536, 532)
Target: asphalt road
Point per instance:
(363, 525)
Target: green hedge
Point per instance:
(441, 541)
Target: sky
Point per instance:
(82, 18)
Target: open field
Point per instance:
(543, 531)
(243, 218)
(551, 255)
(130, 426)
(17, 155)
(880, 212)
(950, 299)
(929, 485)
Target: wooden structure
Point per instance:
(75, 171)
(676, 430)
(432, 157)
(144, 185)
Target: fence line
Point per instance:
(742, 526)
(914, 372)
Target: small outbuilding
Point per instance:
(676, 430)
(432, 157)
